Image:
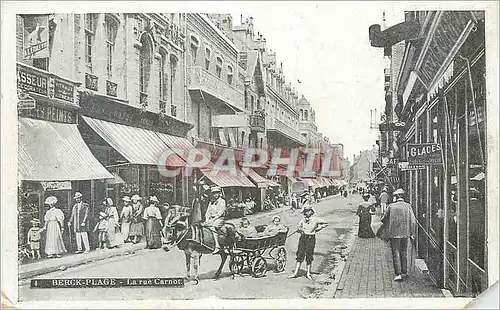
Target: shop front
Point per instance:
(445, 152)
(53, 159)
(131, 143)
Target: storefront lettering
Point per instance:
(63, 91)
(425, 153)
(32, 81)
(416, 151)
(50, 113)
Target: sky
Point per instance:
(325, 45)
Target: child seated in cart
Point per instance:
(246, 230)
(275, 227)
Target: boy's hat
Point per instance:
(399, 191)
(35, 221)
(307, 208)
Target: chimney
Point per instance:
(241, 19)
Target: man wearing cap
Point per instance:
(308, 227)
(402, 225)
(80, 221)
(214, 217)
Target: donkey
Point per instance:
(196, 240)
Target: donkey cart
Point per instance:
(251, 253)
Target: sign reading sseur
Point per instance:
(424, 153)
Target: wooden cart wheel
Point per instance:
(280, 260)
(236, 264)
(251, 257)
(259, 267)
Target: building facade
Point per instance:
(440, 104)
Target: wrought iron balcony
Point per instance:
(257, 122)
(209, 83)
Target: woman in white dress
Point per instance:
(113, 223)
(54, 227)
(153, 219)
(126, 218)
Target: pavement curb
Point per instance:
(84, 260)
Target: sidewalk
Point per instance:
(44, 266)
(369, 273)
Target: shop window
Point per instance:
(477, 168)
(111, 30)
(436, 181)
(144, 64)
(90, 28)
(230, 75)
(218, 67)
(207, 58)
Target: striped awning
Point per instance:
(182, 147)
(292, 179)
(51, 151)
(226, 179)
(137, 145)
(259, 180)
(309, 182)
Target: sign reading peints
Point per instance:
(424, 153)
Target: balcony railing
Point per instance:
(257, 122)
(275, 124)
(201, 79)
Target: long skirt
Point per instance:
(112, 237)
(125, 230)
(365, 226)
(54, 243)
(153, 234)
(136, 229)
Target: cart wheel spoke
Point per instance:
(259, 267)
(280, 260)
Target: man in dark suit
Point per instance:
(80, 221)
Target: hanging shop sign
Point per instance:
(398, 126)
(406, 166)
(56, 185)
(36, 36)
(424, 153)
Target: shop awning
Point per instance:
(137, 145)
(309, 182)
(226, 179)
(51, 151)
(259, 180)
(292, 179)
(182, 147)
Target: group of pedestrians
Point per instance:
(398, 226)
(112, 228)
